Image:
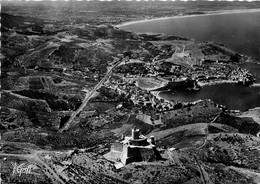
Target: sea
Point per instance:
(238, 31)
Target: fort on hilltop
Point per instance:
(135, 148)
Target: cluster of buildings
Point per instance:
(241, 75)
(139, 97)
(219, 72)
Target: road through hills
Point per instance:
(88, 97)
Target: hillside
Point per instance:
(51, 69)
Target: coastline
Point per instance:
(201, 84)
(256, 85)
(157, 94)
(208, 13)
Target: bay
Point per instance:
(238, 31)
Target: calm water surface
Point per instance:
(231, 95)
(238, 31)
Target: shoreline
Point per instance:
(201, 84)
(157, 95)
(256, 85)
(220, 12)
(205, 13)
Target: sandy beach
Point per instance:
(157, 95)
(207, 13)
